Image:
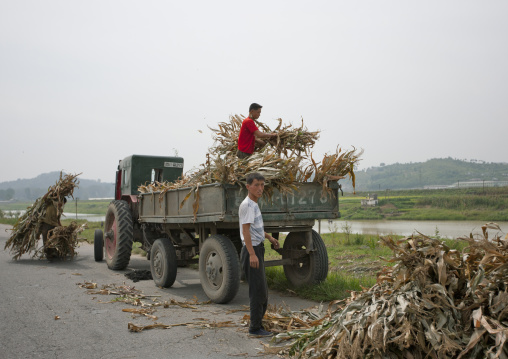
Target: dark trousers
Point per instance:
(45, 228)
(258, 289)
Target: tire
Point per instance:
(313, 269)
(163, 262)
(98, 245)
(219, 269)
(118, 235)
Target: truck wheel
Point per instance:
(163, 262)
(313, 268)
(98, 245)
(219, 269)
(119, 235)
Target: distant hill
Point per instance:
(437, 171)
(31, 189)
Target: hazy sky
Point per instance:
(86, 83)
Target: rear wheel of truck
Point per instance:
(163, 263)
(98, 245)
(219, 269)
(118, 235)
(311, 269)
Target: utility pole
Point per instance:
(77, 208)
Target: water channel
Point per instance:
(448, 229)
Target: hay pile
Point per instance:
(435, 302)
(64, 240)
(26, 231)
(283, 161)
(290, 141)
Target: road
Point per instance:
(45, 314)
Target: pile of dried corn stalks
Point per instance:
(64, 240)
(283, 161)
(436, 302)
(289, 142)
(26, 231)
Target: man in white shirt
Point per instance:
(253, 251)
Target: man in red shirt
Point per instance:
(250, 134)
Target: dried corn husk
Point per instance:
(284, 161)
(26, 231)
(64, 240)
(435, 302)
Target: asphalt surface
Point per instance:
(45, 314)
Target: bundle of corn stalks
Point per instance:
(334, 166)
(25, 233)
(282, 162)
(64, 240)
(290, 141)
(434, 303)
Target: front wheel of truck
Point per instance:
(163, 262)
(118, 233)
(312, 268)
(219, 269)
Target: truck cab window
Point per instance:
(156, 175)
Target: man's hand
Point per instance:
(254, 261)
(273, 241)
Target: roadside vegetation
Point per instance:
(478, 204)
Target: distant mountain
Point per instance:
(31, 189)
(437, 171)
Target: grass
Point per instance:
(478, 204)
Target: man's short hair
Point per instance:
(254, 106)
(254, 176)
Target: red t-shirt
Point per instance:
(246, 139)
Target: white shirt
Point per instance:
(249, 212)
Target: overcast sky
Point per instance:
(86, 83)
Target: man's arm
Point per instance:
(260, 134)
(254, 261)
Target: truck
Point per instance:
(178, 227)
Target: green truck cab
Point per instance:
(136, 170)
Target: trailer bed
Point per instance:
(220, 203)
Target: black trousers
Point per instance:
(45, 228)
(258, 288)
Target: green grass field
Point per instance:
(490, 204)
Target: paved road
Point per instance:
(33, 292)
